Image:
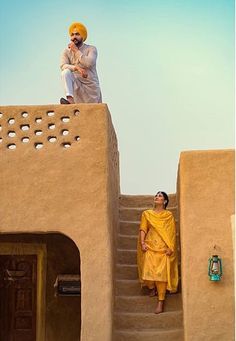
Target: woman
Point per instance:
(156, 254)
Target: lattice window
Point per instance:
(39, 130)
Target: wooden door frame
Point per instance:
(41, 251)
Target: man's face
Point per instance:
(76, 38)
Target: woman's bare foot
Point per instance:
(153, 292)
(160, 307)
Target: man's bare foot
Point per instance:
(70, 99)
(153, 292)
(160, 307)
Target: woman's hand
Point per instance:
(169, 252)
(144, 246)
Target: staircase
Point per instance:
(134, 309)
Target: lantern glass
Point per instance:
(215, 268)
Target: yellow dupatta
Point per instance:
(163, 223)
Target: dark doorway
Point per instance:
(18, 290)
(58, 317)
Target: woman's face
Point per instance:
(159, 199)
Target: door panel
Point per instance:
(18, 286)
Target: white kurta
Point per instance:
(86, 90)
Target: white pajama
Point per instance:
(68, 80)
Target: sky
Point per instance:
(166, 70)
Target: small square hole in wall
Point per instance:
(38, 145)
(38, 132)
(76, 112)
(0, 139)
(50, 113)
(66, 144)
(11, 133)
(0, 128)
(25, 139)
(11, 120)
(65, 119)
(11, 146)
(24, 127)
(51, 126)
(65, 132)
(77, 138)
(52, 139)
(38, 119)
(24, 114)
(1, 114)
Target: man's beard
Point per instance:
(77, 42)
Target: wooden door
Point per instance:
(18, 290)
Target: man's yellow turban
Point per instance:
(80, 28)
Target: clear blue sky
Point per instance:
(165, 68)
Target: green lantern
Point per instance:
(214, 268)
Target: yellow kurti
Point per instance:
(154, 265)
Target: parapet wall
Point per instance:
(206, 204)
(60, 173)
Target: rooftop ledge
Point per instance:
(50, 126)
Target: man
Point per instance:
(78, 65)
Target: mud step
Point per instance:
(146, 304)
(131, 228)
(127, 287)
(149, 335)
(126, 271)
(129, 242)
(126, 256)
(134, 214)
(166, 320)
(143, 200)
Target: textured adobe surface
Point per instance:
(206, 201)
(52, 181)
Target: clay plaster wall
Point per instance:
(113, 202)
(65, 186)
(206, 203)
